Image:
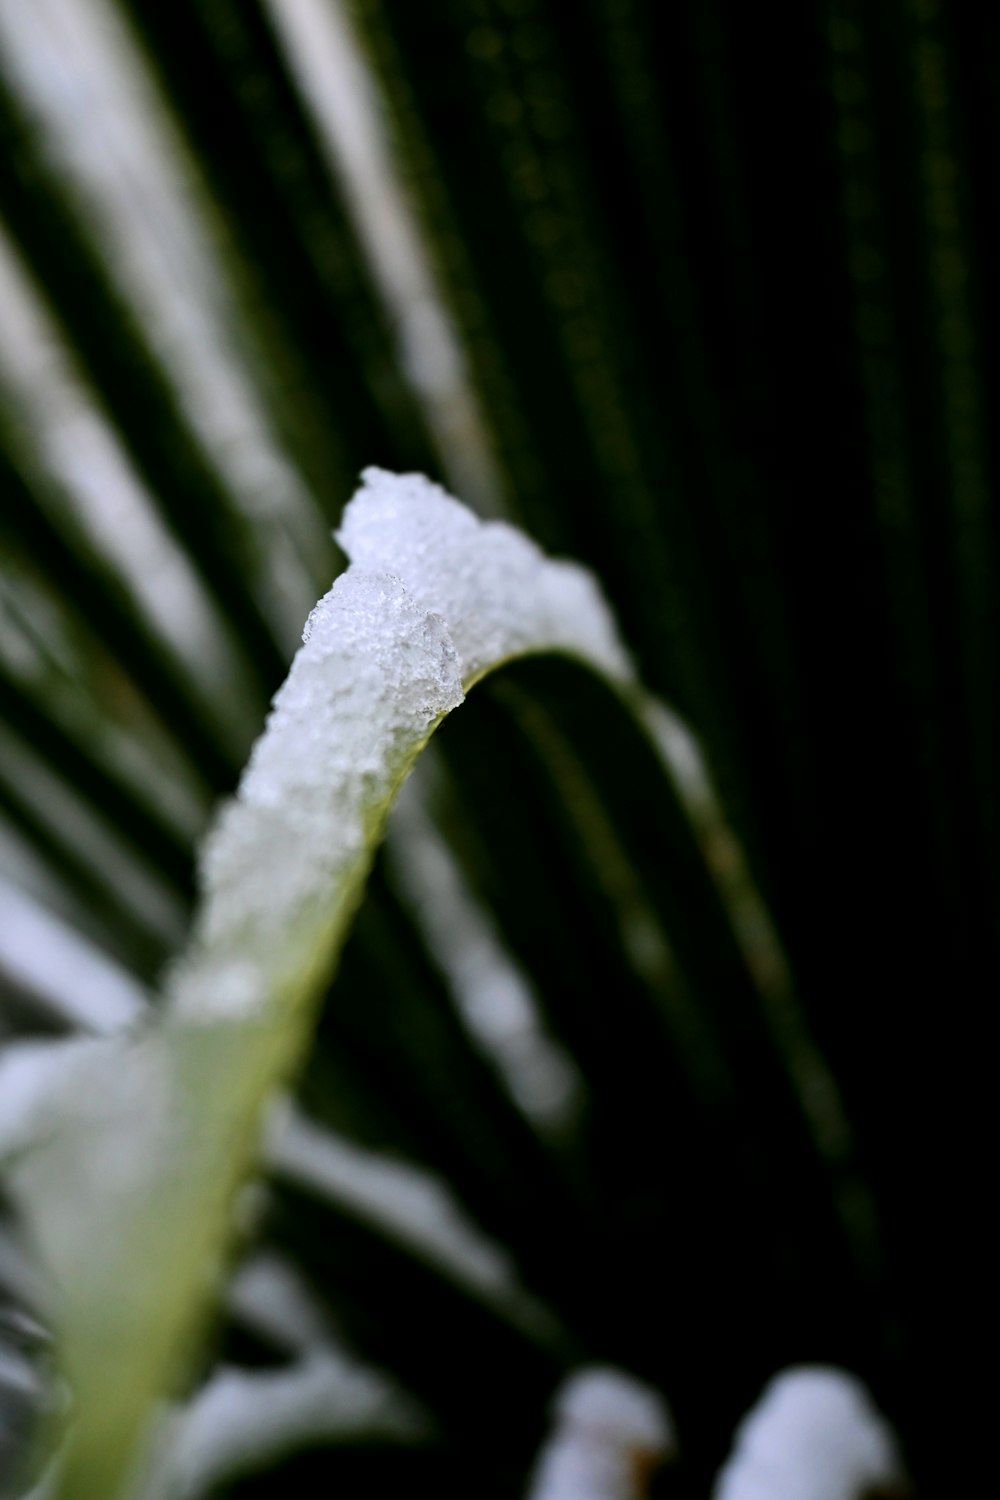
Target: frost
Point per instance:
(815, 1434)
(432, 599)
(501, 596)
(610, 1432)
(375, 673)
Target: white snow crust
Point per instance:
(374, 674)
(815, 1434)
(432, 599)
(610, 1431)
(499, 593)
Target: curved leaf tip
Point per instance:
(432, 600)
(499, 593)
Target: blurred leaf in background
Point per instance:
(699, 296)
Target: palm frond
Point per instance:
(679, 1017)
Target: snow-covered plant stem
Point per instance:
(129, 1182)
(128, 1160)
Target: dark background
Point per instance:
(724, 278)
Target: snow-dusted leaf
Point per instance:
(610, 1433)
(815, 1434)
(129, 1187)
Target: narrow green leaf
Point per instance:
(129, 1191)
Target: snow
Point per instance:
(610, 1432)
(815, 1434)
(432, 599)
(375, 673)
(498, 592)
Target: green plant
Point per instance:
(628, 279)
